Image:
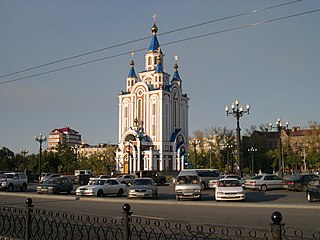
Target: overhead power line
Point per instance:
(144, 38)
(168, 43)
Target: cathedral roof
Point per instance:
(132, 73)
(176, 75)
(159, 68)
(154, 45)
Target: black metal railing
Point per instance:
(33, 223)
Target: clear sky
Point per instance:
(274, 66)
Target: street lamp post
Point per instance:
(237, 112)
(229, 146)
(40, 139)
(279, 127)
(252, 150)
(24, 152)
(195, 142)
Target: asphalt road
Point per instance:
(255, 211)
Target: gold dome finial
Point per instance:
(154, 28)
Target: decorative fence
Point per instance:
(32, 223)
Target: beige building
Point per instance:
(65, 135)
(153, 117)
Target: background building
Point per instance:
(65, 136)
(153, 117)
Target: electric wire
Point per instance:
(168, 43)
(144, 38)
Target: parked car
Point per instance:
(205, 175)
(299, 182)
(143, 188)
(13, 181)
(125, 178)
(188, 185)
(313, 190)
(157, 177)
(229, 189)
(214, 182)
(100, 177)
(82, 177)
(101, 187)
(56, 185)
(264, 182)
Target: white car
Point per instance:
(101, 187)
(229, 189)
(264, 182)
(214, 182)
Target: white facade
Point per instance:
(153, 117)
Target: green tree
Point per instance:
(67, 158)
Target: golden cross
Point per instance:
(154, 18)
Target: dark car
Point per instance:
(313, 190)
(157, 177)
(56, 185)
(299, 182)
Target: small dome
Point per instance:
(154, 29)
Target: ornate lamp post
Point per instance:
(139, 135)
(237, 112)
(24, 152)
(195, 142)
(302, 150)
(229, 147)
(40, 139)
(252, 150)
(279, 127)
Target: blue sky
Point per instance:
(273, 66)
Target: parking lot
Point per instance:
(167, 193)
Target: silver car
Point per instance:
(264, 182)
(143, 188)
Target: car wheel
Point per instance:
(23, 187)
(263, 188)
(99, 193)
(120, 192)
(10, 188)
(57, 191)
(69, 190)
(177, 198)
(155, 195)
(309, 197)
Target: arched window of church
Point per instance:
(159, 78)
(128, 83)
(132, 82)
(155, 60)
(139, 110)
(149, 61)
(125, 117)
(153, 119)
(156, 79)
(175, 113)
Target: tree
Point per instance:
(7, 159)
(102, 162)
(67, 158)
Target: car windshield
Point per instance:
(188, 180)
(52, 181)
(229, 183)
(97, 182)
(257, 177)
(294, 177)
(142, 182)
(7, 176)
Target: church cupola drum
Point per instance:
(153, 117)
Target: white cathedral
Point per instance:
(153, 117)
